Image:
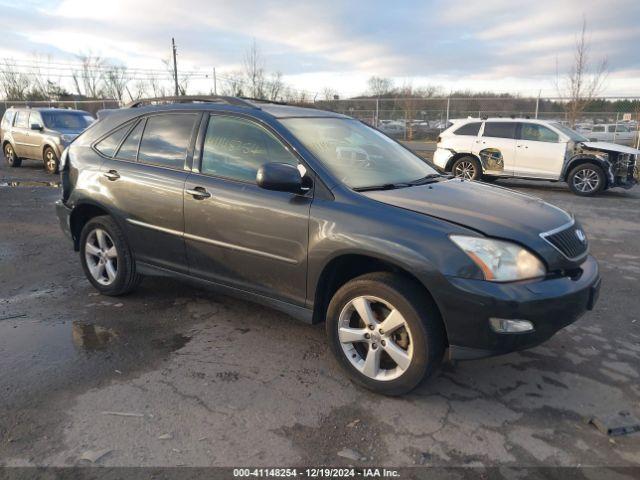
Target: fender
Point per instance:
(92, 203)
(585, 157)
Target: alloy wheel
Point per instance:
(586, 180)
(465, 170)
(375, 337)
(9, 154)
(50, 161)
(101, 257)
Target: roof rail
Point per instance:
(240, 102)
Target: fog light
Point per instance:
(502, 325)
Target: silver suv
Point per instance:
(40, 134)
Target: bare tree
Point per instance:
(274, 86)
(380, 86)
(89, 79)
(14, 84)
(116, 79)
(584, 81)
(254, 71)
(329, 93)
(233, 84)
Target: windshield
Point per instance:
(572, 134)
(360, 156)
(66, 120)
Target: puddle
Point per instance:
(40, 358)
(29, 183)
(92, 337)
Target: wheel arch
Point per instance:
(581, 160)
(458, 156)
(81, 214)
(346, 266)
(48, 145)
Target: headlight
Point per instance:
(500, 261)
(68, 138)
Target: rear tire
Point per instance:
(586, 180)
(467, 168)
(106, 258)
(10, 156)
(51, 161)
(392, 362)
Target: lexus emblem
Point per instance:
(581, 236)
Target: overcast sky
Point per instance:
(493, 45)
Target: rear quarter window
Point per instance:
(7, 119)
(470, 129)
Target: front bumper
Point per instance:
(64, 218)
(551, 304)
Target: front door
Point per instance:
(539, 152)
(496, 148)
(145, 184)
(237, 233)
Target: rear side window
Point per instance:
(22, 120)
(538, 133)
(129, 149)
(7, 119)
(166, 139)
(500, 129)
(108, 145)
(469, 129)
(236, 148)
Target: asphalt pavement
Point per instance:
(175, 375)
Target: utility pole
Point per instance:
(215, 82)
(175, 66)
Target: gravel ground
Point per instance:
(175, 375)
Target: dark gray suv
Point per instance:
(329, 220)
(40, 134)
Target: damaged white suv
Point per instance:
(535, 149)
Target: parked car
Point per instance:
(394, 129)
(325, 218)
(40, 134)
(535, 149)
(614, 133)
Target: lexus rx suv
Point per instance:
(327, 219)
(535, 149)
(40, 134)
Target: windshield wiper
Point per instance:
(386, 186)
(432, 177)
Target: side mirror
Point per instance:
(36, 126)
(280, 177)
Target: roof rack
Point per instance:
(237, 101)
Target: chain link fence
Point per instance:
(422, 119)
(610, 119)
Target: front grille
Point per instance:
(568, 241)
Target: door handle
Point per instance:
(199, 193)
(112, 175)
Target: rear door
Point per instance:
(20, 133)
(539, 152)
(237, 233)
(496, 147)
(144, 181)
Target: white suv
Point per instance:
(536, 149)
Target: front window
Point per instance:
(572, 134)
(360, 156)
(66, 120)
(538, 133)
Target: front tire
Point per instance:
(586, 180)
(51, 161)
(385, 332)
(467, 168)
(106, 257)
(11, 157)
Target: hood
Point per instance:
(493, 211)
(610, 147)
